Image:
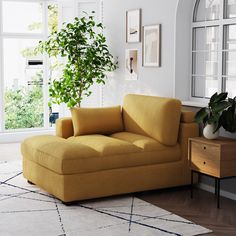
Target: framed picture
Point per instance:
(152, 45)
(131, 64)
(133, 26)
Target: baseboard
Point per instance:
(223, 193)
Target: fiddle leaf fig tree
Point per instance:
(88, 60)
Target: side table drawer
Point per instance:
(205, 158)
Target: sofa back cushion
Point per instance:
(105, 120)
(156, 117)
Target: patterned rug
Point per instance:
(27, 210)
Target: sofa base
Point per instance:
(74, 187)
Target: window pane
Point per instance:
(205, 63)
(211, 86)
(231, 8)
(55, 68)
(200, 39)
(231, 87)
(199, 87)
(207, 10)
(212, 39)
(204, 87)
(55, 72)
(52, 18)
(230, 37)
(22, 17)
(199, 63)
(212, 9)
(212, 63)
(206, 38)
(200, 11)
(23, 91)
(230, 63)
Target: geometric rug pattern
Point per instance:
(27, 210)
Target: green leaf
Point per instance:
(221, 97)
(219, 107)
(201, 115)
(87, 60)
(213, 97)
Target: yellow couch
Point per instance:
(148, 152)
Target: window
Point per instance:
(25, 73)
(214, 48)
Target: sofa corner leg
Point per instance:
(30, 182)
(68, 203)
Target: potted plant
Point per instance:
(220, 112)
(87, 60)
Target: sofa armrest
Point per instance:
(187, 116)
(188, 129)
(64, 127)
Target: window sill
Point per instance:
(194, 104)
(13, 137)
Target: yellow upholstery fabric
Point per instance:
(105, 120)
(187, 116)
(146, 143)
(64, 127)
(55, 153)
(145, 156)
(105, 145)
(82, 186)
(153, 116)
(72, 156)
(186, 131)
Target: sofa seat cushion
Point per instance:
(149, 146)
(56, 154)
(105, 145)
(92, 153)
(146, 143)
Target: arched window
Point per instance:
(214, 48)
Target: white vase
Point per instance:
(208, 132)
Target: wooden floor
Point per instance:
(201, 209)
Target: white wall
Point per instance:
(172, 79)
(183, 39)
(151, 81)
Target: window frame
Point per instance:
(221, 23)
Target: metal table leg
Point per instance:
(218, 193)
(216, 183)
(191, 183)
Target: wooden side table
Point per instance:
(215, 158)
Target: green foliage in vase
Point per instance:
(87, 60)
(220, 112)
(228, 117)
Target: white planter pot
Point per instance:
(208, 132)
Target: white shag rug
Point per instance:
(25, 210)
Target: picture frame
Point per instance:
(152, 45)
(133, 26)
(131, 64)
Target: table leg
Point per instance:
(191, 184)
(218, 193)
(216, 183)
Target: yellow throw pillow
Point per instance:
(107, 120)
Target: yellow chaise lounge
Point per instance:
(108, 151)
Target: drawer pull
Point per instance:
(204, 148)
(204, 163)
